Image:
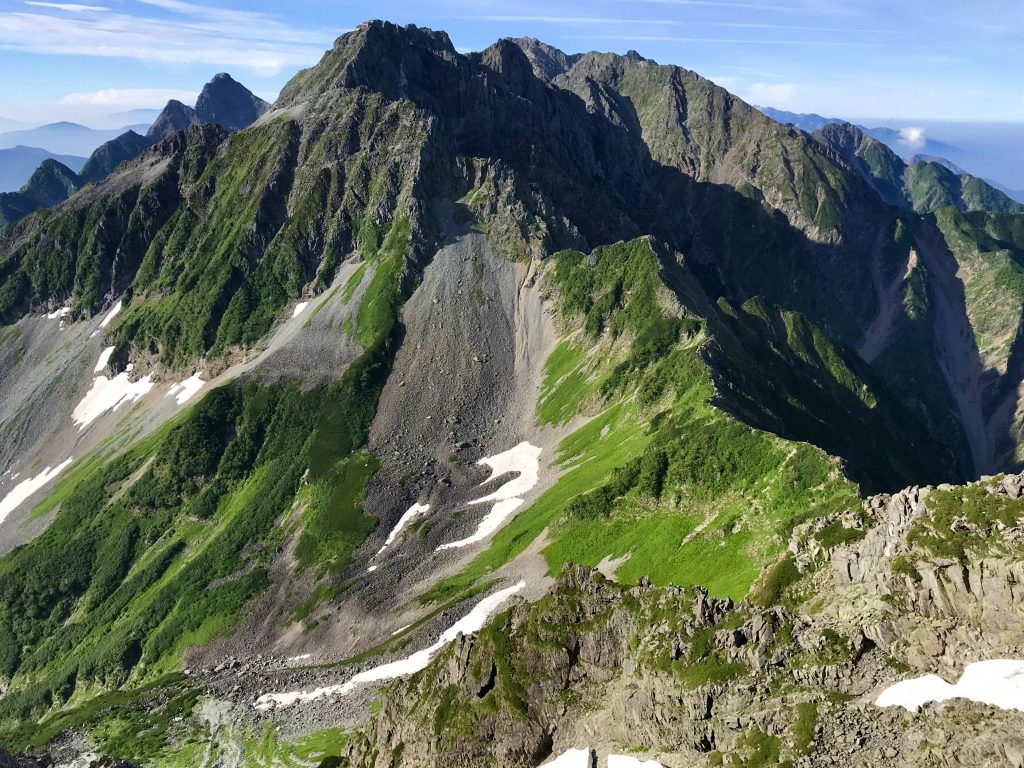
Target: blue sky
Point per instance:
(901, 59)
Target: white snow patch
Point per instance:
(58, 314)
(185, 390)
(472, 622)
(26, 488)
(571, 758)
(104, 359)
(523, 459)
(999, 682)
(299, 307)
(627, 761)
(400, 630)
(111, 314)
(491, 522)
(300, 657)
(109, 394)
(403, 521)
(371, 569)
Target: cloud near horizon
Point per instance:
(913, 137)
(130, 98)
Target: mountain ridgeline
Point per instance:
(698, 337)
(923, 185)
(223, 102)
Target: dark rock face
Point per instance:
(228, 103)
(174, 117)
(108, 156)
(51, 183)
(548, 62)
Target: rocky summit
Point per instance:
(508, 408)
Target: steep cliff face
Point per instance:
(227, 103)
(106, 157)
(394, 120)
(174, 117)
(309, 399)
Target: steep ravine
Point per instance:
(955, 345)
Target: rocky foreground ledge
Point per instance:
(923, 581)
(914, 586)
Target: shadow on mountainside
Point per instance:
(574, 175)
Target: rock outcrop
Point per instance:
(692, 680)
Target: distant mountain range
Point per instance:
(64, 138)
(223, 101)
(904, 143)
(18, 163)
(805, 121)
(912, 145)
(6, 124)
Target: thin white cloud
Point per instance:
(726, 40)
(193, 34)
(601, 21)
(70, 7)
(213, 14)
(726, 4)
(569, 20)
(802, 27)
(778, 95)
(130, 98)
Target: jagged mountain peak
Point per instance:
(175, 116)
(228, 103)
(548, 62)
(377, 55)
(51, 182)
(106, 157)
(844, 135)
(335, 386)
(223, 100)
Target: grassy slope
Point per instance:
(211, 243)
(690, 493)
(778, 371)
(989, 248)
(931, 186)
(126, 578)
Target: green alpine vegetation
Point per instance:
(161, 547)
(923, 186)
(723, 358)
(660, 475)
